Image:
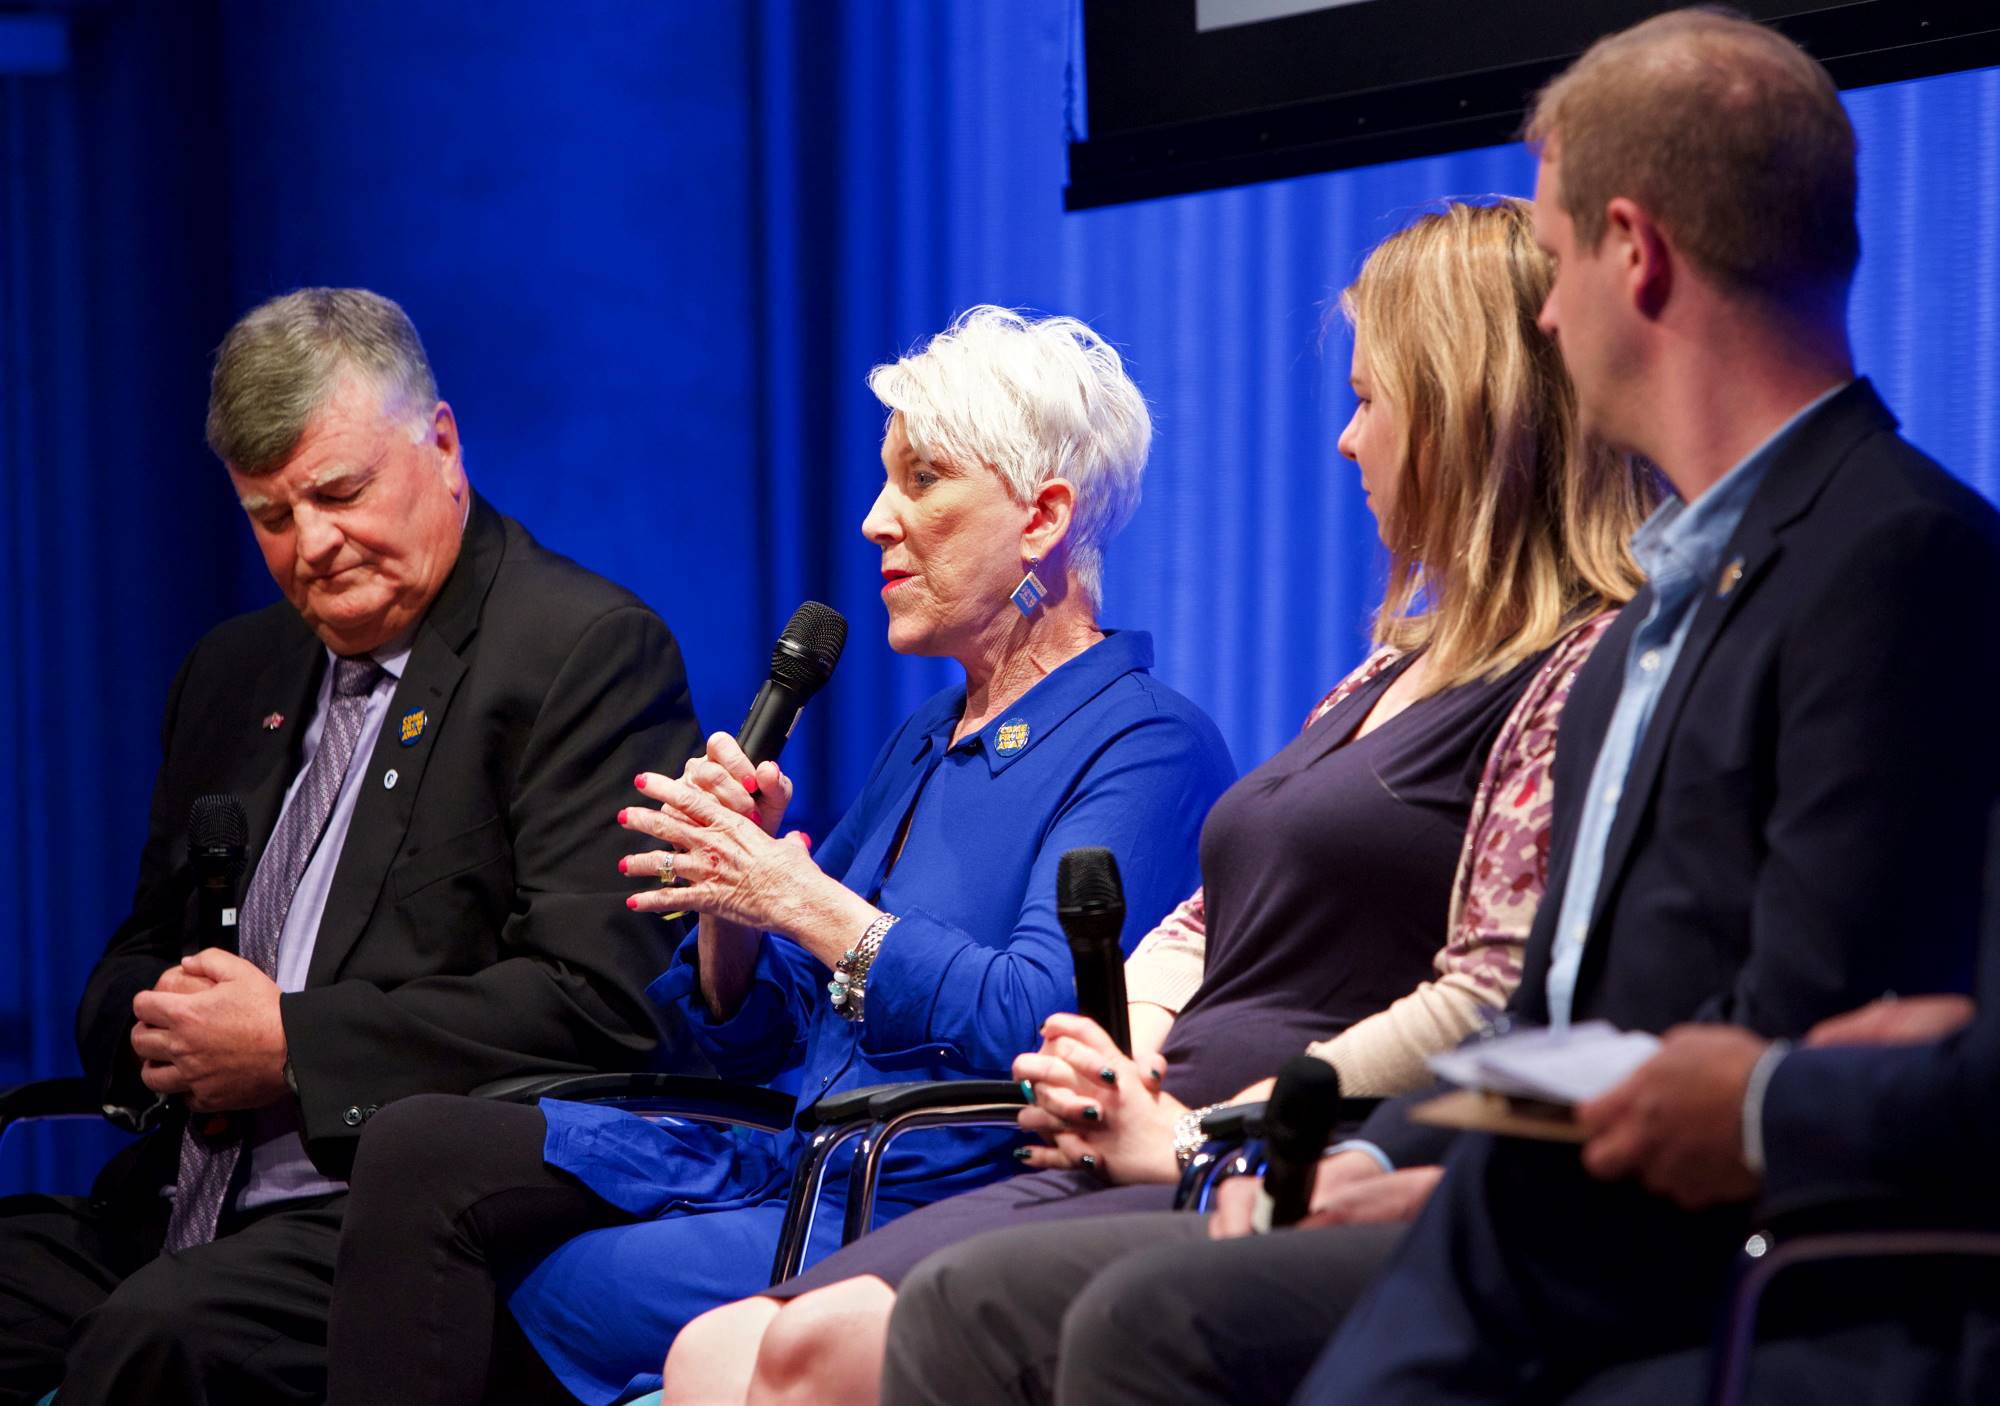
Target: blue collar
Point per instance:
(1043, 708)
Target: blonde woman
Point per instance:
(1414, 804)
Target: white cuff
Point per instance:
(1753, 1103)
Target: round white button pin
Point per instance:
(389, 779)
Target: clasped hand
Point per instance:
(1098, 1109)
(720, 821)
(211, 1030)
(1349, 1188)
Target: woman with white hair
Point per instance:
(918, 941)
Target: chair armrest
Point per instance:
(878, 1102)
(681, 1095)
(49, 1098)
(1233, 1122)
(1767, 1262)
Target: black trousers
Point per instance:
(88, 1302)
(1122, 1310)
(450, 1197)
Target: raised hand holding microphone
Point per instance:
(721, 853)
(740, 769)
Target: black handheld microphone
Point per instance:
(801, 663)
(1298, 1118)
(1090, 905)
(217, 834)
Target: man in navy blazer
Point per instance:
(1774, 773)
(1892, 1112)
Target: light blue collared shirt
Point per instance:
(279, 1167)
(1680, 549)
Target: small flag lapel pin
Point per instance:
(273, 721)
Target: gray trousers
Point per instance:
(1124, 1309)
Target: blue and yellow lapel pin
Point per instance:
(412, 726)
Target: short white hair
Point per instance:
(1032, 398)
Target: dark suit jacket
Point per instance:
(476, 926)
(1801, 830)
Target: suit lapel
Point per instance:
(1802, 468)
(1751, 552)
(430, 682)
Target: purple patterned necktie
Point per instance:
(208, 1165)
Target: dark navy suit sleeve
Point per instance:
(146, 943)
(932, 984)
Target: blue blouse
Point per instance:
(1097, 753)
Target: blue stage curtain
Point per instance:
(654, 250)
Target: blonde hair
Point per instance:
(1506, 528)
(1032, 398)
(1726, 132)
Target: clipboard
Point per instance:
(1472, 1111)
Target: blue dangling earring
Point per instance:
(1028, 595)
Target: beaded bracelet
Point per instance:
(849, 987)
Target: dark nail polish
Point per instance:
(1089, 1161)
(1091, 1114)
(1108, 1074)
(1020, 1154)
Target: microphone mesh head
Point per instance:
(1087, 879)
(218, 822)
(809, 648)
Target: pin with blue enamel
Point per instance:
(1012, 737)
(1027, 596)
(412, 726)
(389, 779)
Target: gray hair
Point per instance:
(1032, 398)
(279, 363)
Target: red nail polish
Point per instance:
(806, 840)
(621, 866)
(751, 785)
(621, 817)
(640, 781)
(633, 901)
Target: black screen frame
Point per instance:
(1172, 110)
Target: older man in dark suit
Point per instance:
(429, 738)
